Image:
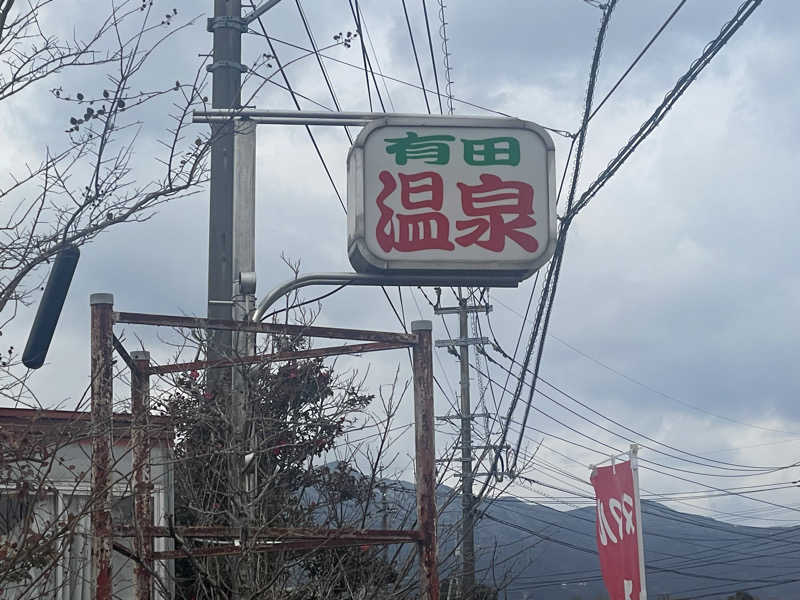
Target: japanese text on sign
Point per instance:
(462, 195)
(496, 209)
(618, 541)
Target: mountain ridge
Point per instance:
(535, 552)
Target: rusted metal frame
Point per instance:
(311, 545)
(425, 450)
(275, 533)
(126, 552)
(270, 328)
(142, 486)
(102, 321)
(197, 365)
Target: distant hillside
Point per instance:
(551, 554)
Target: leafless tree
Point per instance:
(320, 456)
(46, 498)
(84, 184)
(312, 457)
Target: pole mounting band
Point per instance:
(226, 64)
(237, 23)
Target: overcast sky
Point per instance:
(677, 309)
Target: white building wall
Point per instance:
(68, 485)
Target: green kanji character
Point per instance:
(492, 151)
(431, 148)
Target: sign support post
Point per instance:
(102, 322)
(425, 450)
(634, 456)
(142, 486)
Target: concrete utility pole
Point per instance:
(231, 237)
(226, 71)
(467, 515)
(465, 409)
(226, 75)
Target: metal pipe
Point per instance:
(102, 311)
(142, 488)
(243, 342)
(274, 533)
(425, 450)
(238, 549)
(278, 356)
(205, 116)
(288, 121)
(244, 199)
(410, 279)
(271, 328)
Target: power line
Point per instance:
(732, 591)
(638, 58)
(683, 518)
(669, 516)
(556, 131)
(297, 105)
(757, 469)
(313, 42)
(416, 56)
(669, 556)
(338, 108)
(615, 450)
(728, 29)
(730, 491)
(554, 267)
(298, 94)
(358, 16)
(692, 557)
(649, 566)
(294, 96)
(377, 64)
(643, 466)
(646, 386)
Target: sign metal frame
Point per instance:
(458, 271)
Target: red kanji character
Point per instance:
(490, 199)
(417, 231)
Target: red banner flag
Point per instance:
(619, 532)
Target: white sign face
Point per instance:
(465, 196)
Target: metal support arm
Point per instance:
(371, 280)
(324, 117)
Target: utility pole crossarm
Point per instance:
(465, 416)
(463, 341)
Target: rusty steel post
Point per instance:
(140, 443)
(102, 321)
(425, 459)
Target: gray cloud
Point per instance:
(681, 273)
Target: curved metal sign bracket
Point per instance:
(373, 280)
